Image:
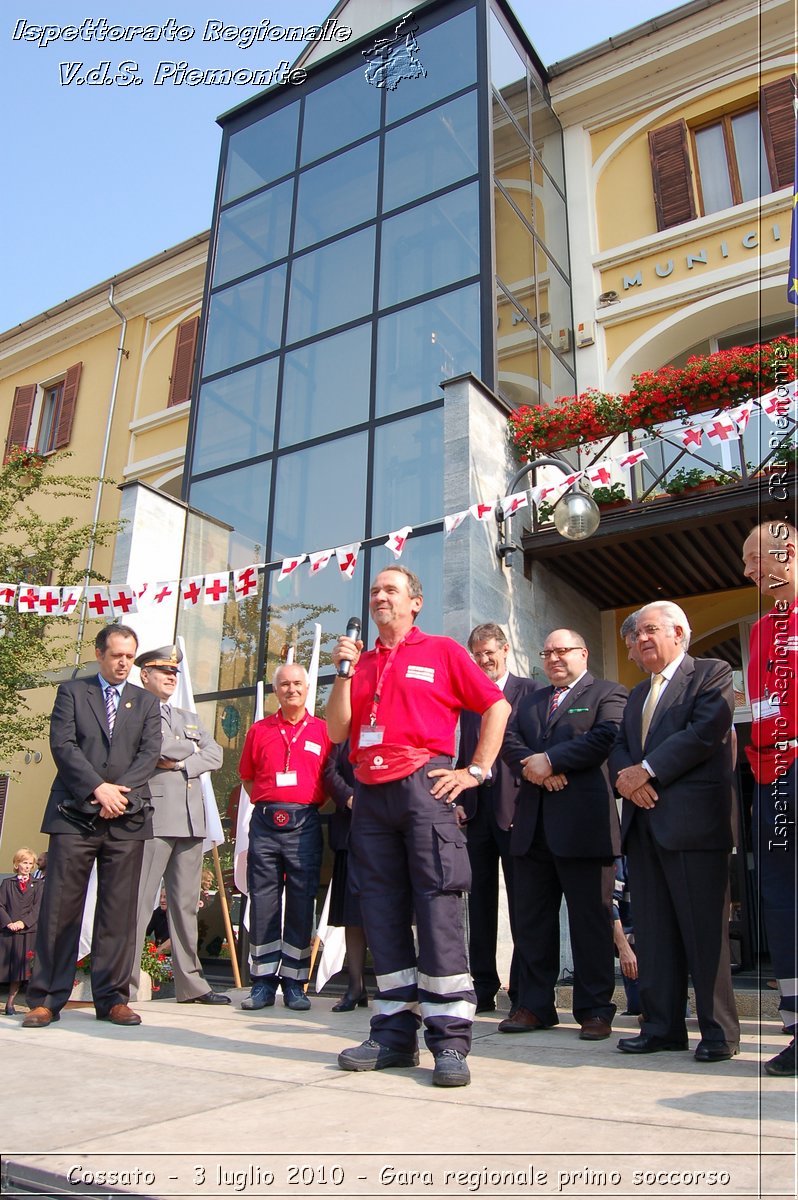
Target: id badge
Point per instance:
(371, 735)
(763, 710)
(285, 779)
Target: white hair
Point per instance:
(282, 667)
(673, 614)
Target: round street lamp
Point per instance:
(576, 514)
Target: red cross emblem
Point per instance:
(123, 601)
(98, 603)
(69, 601)
(484, 510)
(721, 429)
(280, 817)
(349, 563)
(7, 594)
(600, 475)
(29, 598)
(247, 582)
(216, 590)
(692, 437)
(159, 597)
(48, 601)
(192, 592)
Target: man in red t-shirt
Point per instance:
(399, 705)
(769, 557)
(281, 766)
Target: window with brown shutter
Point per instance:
(63, 425)
(674, 198)
(778, 127)
(21, 412)
(183, 362)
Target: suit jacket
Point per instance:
(581, 821)
(688, 749)
(500, 792)
(339, 783)
(20, 906)
(85, 755)
(178, 809)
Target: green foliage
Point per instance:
(39, 550)
(684, 479)
(610, 495)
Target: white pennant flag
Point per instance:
(571, 479)
(217, 588)
(396, 541)
(122, 600)
(162, 593)
(49, 601)
(482, 512)
(691, 438)
(289, 566)
(631, 459)
(28, 598)
(512, 504)
(347, 558)
(70, 598)
(722, 429)
(778, 403)
(191, 591)
(143, 594)
(601, 473)
(741, 415)
(318, 560)
(8, 594)
(245, 582)
(97, 603)
(454, 521)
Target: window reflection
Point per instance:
(301, 600)
(339, 113)
(430, 246)
(262, 152)
(235, 418)
(331, 286)
(337, 195)
(245, 320)
(424, 556)
(507, 66)
(320, 497)
(241, 500)
(447, 53)
(436, 149)
(253, 233)
(326, 386)
(546, 134)
(408, 472)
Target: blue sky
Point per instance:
(99, 178)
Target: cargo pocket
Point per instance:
(451, 856)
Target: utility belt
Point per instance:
(284, 818)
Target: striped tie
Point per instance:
(554, 702)
(111, 698)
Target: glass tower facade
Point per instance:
(368, 242)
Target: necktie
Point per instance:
(166, 714)
(651, 703)
(111, 697)
(554, 702)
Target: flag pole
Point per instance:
(228, 924)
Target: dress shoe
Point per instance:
(784, 1065)
(37, 1018)
(350, 1003)
(120, 1014)
(643, 1044)
(595, 1029)
(373, 1056)
(521, 1021)
(716, 1051)
(294, 997)
(207, 998)
(261, 996)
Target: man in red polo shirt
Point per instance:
(399, 706)
(281, 767)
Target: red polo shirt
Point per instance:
(773, 688)
(273, 746)
(428, 683)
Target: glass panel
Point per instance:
(321, 497)
(424, 555)
(551, 220)
(235, 417)
(555, 380)
(515, 253)
(507, 66)
(326, 386)
(339, 113)
(430, 152)
(331, 286)
(752, 163)
(511, 160)
(245, 321)
(517, 352)
(233, 717)
(418, 347)
(302, 599)
(447, 53)
(240, 499)
(546, 134)
(253, 234)
(336, 195)
(713, 168)
(408, 472)
(261, 152)
(429, 246)
(554, 305)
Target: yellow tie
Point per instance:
(651, 703)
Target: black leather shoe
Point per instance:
(208, 998)
(783, 1066)
(642, 1044)
(350, 1003)
(716, 1051)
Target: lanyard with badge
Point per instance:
(288, 778)
(374, 734)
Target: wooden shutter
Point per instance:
(778, 127)
(67, 411)
(674, 195)
(183, 362)
(19, 424)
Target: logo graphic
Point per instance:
(280, 817)
(393, 59)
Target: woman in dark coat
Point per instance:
(20, 899)
(339, 781)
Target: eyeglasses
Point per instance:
(648, 630)
(559, 651)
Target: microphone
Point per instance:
(353, 629)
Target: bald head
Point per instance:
(769, 559)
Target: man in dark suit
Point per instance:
(564, 838)
(672, 763)
(489, 812)
(105, 738)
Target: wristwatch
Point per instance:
(476, 773)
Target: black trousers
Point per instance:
(680, 910)
(70, 859)
(488, 846)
